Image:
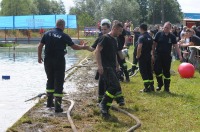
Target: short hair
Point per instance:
(143, 26)
(117, 24)
(168, 23)
(60, 22)
(106, 24)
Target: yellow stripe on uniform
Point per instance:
(58, 95)
(109, 104)
(109, 95)
(50, 90)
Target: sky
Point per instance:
(189, 6)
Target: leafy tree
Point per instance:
(27, 7)
(171, 8)
(122, 10)
(17, 7)
(143, 5)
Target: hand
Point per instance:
(100, 70)
(118, 69)
(85, 46)
(40, 60)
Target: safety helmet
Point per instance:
(105, 21)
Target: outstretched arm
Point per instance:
(79, 47)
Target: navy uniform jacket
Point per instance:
(55, 43)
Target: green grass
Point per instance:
(6, 45)
(159, 111)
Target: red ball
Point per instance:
(186, 70)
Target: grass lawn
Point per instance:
(159, 111)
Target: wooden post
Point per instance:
(78, 32)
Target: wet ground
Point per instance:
(45, 120)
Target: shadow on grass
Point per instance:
(164, 94)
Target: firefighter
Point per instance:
(105, 28)
(106, 56)
(144, 48)
(55, 42)
(122, 40)
(162, 46)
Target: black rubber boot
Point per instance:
(166, 85)
(160, 83)
(100, 98)
(50, 100)
(120, 100)
(146, 87)
(104, 106)
(58, 102)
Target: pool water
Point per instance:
(27, 79)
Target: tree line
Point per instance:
(137, 11)
(31, 7)
(89, 12)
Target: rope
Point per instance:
(138, 123)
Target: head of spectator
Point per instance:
(189, 32)
(167, 27)
(143, 28)
(184, 28)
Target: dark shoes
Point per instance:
(50, 100)
(104, 111)
(146, 90)
(158, 88)
(166, 89)
(120, 101)
(58, 102)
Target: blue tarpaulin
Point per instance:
(36, 21)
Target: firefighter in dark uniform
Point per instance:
(106, 52)
(105, 28)
(55, 42)
(122, 39)
(162, 49)
(144, 48)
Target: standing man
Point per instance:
(144, 48)
(133, 71)
(55, 42)
(162, 49)
(105, 29)
(122, 40)
(106, 56)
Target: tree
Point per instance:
(171, 8)
(17, 7)
(27, 7)
(143, 5)
(122, 10)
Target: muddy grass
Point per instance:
(84, 114)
